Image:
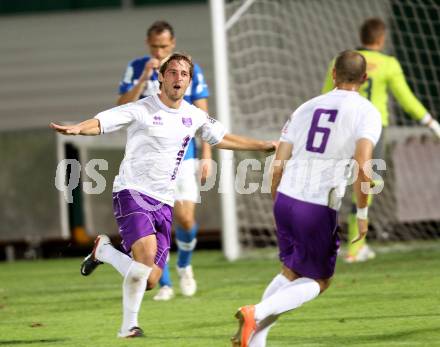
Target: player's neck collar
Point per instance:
(345, 90)
(165, 107)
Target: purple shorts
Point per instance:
(307, 236)
(139, 215)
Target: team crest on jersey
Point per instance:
(187, 122)
(157, 120)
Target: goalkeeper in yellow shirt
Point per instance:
(384, 74)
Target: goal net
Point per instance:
(278, 54)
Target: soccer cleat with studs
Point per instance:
(246, 326)
(90, 263)
(165, 293)
(132, 333)
(364, 254)
(188, 285)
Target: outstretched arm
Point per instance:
(88, 127)
(241, 143)
(406, 98)
(402, 92)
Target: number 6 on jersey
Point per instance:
(316, 129)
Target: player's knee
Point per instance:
(186, 222)
(151, 284)
(147, 258)
(289, 273)
(153, 279)
(324, 284)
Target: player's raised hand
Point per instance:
(363, 230)
(66, 129)
(272, 146)
(88, 127)
(153, 64)
(435, 127)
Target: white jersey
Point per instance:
(324, 132)
(157, 140)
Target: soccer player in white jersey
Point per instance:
(385, 75)
(141, 80)
(320, 137)
(159, 129)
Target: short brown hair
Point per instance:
(372, 30)
(178, 57)
(350, 67)
(159, 27)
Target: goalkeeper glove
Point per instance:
(432, 124)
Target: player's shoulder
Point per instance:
(139, 61)
(362, 101)
(366, 52)
(200, 116)
(314, 101)
(365, 106)
(304, 109)
(333, 99)
(191, 108)
(150, 99)
(197, 68)
(393, 64)
(388, 59)
(346, 99)
(198, 75)
(148, 104)
(357, 99)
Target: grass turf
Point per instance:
(390, 301)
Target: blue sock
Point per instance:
(165, 280)
(186, 242)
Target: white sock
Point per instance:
(289, 297)
(110, 255)
(133, 289)
(277, 282)
(260, 336)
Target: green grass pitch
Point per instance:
(391, 301)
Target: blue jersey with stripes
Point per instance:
(198, 89)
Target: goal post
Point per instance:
(272, 55)
(230, 241)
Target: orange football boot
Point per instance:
(246, 326)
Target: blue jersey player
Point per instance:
(140, 80)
